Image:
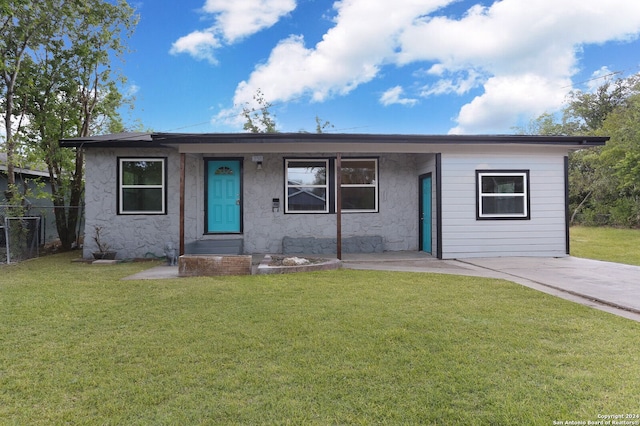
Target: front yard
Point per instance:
(79, 346)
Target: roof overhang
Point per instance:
(20, 170)
(316, 142)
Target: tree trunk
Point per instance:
(10, 147)
(577, 209)
(67, 216)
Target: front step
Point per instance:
(232, 246)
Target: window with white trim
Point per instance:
(502, 194)
(311, 185)
(142, 186)
(307, 186)
(359, 184)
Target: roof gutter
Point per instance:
(155, 140)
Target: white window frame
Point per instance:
(289, 186)
(524, 174)
(122, 186)
(373, 185)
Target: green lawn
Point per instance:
(79, 346)
(610, 244)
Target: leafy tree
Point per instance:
(604, 183)
(547, 125)
(621, 159)
(320, 126)
(589, 185)
(67, 88)
(589, 110)
(259, 120)
(24, 25)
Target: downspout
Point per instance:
(567, 212)
(339, 206)
(182, 183)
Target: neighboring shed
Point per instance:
(36, 181)
(453, 196)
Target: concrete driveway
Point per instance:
(607, 286)
(611, 287)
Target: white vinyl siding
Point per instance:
(465, 236)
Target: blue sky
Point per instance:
(373, 66)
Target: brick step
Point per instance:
(208, 265)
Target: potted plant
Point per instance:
(104, 249)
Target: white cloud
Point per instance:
(394, 96)
(459, 86)
(234, 20)
(598, 77)
(528, 50)
(521, 53)
(131, 90)
(508, 98)
(351, 53)
(199, 44)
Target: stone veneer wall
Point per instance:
(130, 235)
(311, 245)
(264, 229)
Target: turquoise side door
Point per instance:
(224, 199)
(425, 213)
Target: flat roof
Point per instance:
(150, 140)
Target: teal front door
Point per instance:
(425, 213)
(224, 200)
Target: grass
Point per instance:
(79, 346)
(610, 244)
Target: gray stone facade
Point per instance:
(453, 164)
(311, 245)
(132, 236)
(263, 229)
(396, 222)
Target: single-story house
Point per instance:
(455, 196)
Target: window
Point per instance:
(307, 186)
(503, 194)
(359, 185)
(311, 185)
(141, 186)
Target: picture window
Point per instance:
(311, 185)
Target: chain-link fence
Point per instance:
(21, 237)
(28, 235)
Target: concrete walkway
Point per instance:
(611, 287)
